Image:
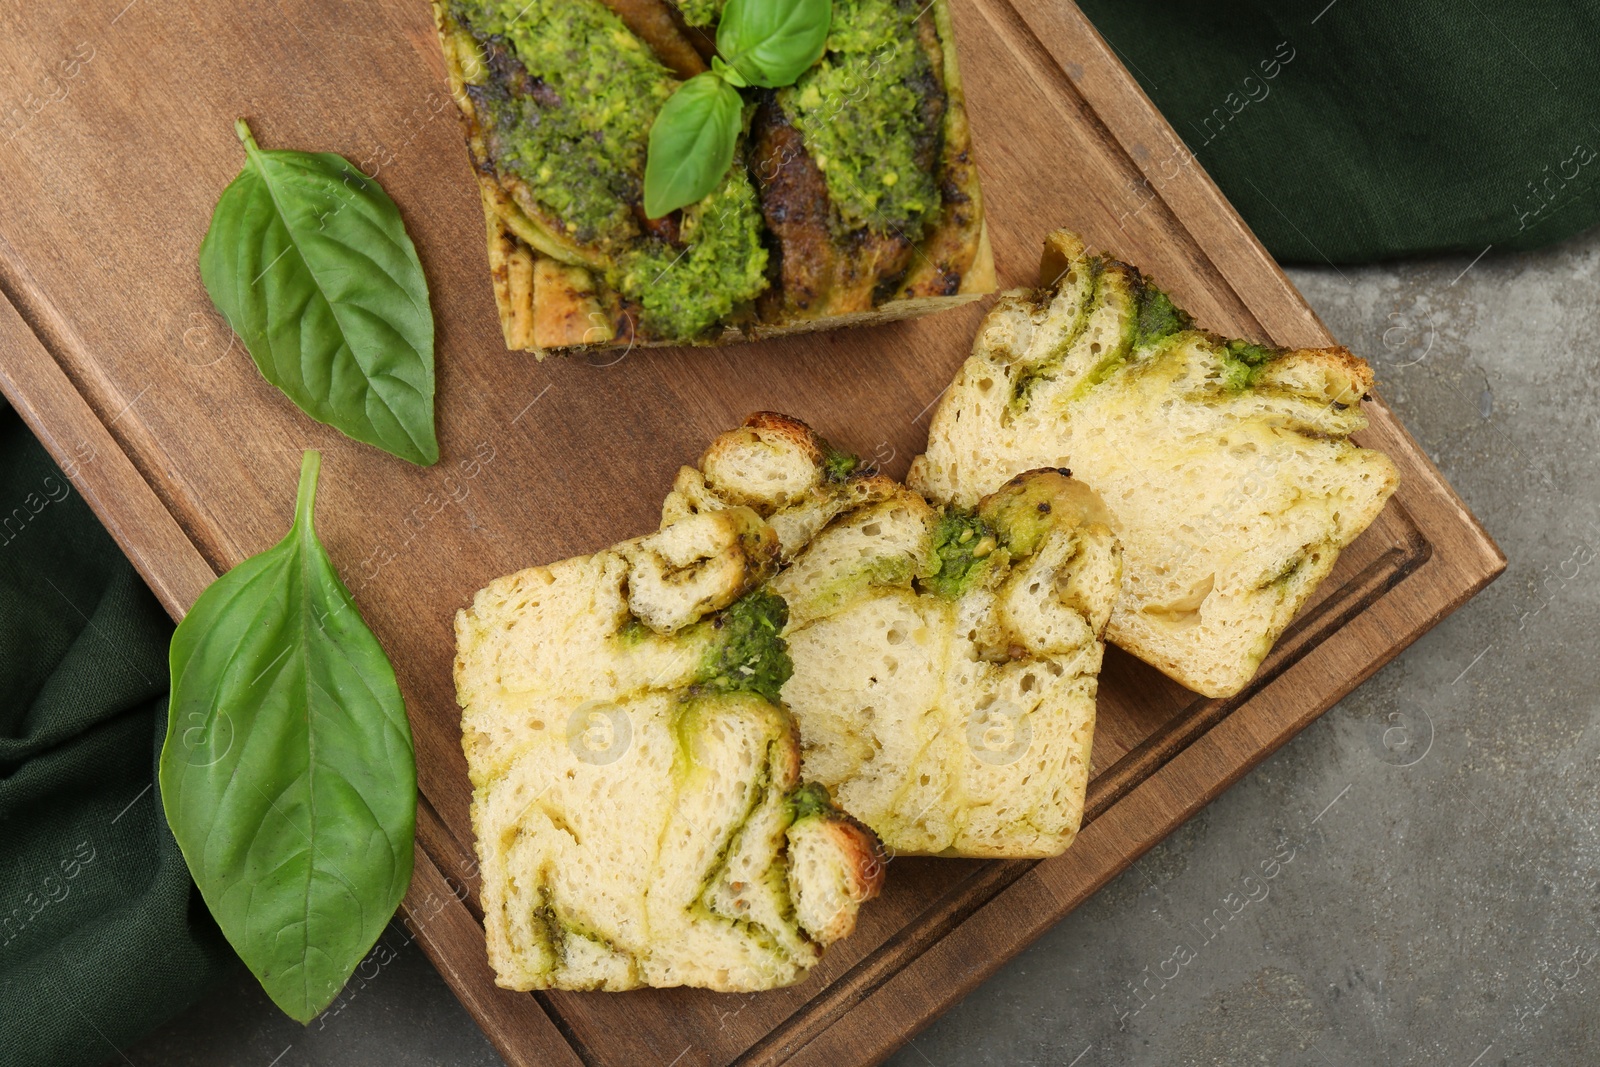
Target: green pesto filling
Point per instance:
(864, 112)
(1286, 573)
(845, 588)
(1027, 381)
(1241, 364)
(810, 799)
(837, 465)
(1159, 317)
(1021, 517)
(634, 631)
(962, 543)
(544, 916)
(749, 654)
(568, 104)
(684, 293)
(1044, 369)
(719, 862)
(1140, 307)
(700, 12)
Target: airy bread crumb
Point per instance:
(1226, 466)
(639, 814)
(945, 660)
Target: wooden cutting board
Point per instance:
(117, 127)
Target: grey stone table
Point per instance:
(1437, 833)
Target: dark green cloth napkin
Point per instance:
(102, 934)
(1392, 129)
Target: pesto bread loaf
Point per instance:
(853, 197)
(639, 814)
(946, 660)
(1226, 466)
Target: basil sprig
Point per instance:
(766, 43)
(287, 774)
(309, 261)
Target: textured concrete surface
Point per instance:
(1423, 861)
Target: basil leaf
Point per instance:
(310, 263)
(287, 773)
(728, 74)
(691, 144)
(773, 42)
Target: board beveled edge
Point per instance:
(451, 937)
(98, 468)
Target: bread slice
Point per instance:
(1226, 465)
(639, 815)
(789, 254)
(945, 660)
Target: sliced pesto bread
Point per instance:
(853, 197)
(639, 814)
(1226, 465)
(946, 660)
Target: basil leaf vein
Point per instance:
(309, 261)
(691, 144)
(287, 773)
